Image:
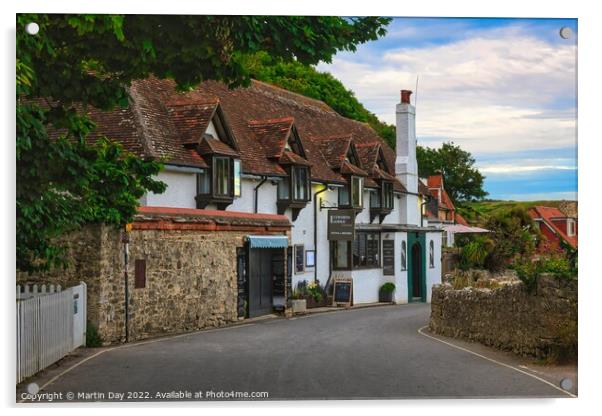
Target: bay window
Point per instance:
(219, 184)
(300, 183)
(293, 190)
(352, 195)
(221, 176)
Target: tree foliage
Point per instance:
(306, 80)
(463, 182)
(90, 60)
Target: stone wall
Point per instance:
(191, 272)
(542, 324)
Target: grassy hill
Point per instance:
(477, 212)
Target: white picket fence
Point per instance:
(50, 323)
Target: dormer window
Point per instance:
(352, 195)
(220, 184)
(293, 190)
(381, 201)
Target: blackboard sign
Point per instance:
(343, 290)
(341, 225)
(388, 257)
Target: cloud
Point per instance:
(501, 89)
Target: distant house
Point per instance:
(440, 211)
(556, 226)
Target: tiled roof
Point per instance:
(291, 158)
(334, 149)
(350, 169)
(272, 134)
(435, 185)
(211, 145)
(460, 219)
(548, 214)
(191, 119)
(163, 123)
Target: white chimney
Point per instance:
(406, 166)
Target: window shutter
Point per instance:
(140, 274)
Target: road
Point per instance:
(362, 353)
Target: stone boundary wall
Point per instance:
(542, 324)
(191, 270)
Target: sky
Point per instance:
(503, 89)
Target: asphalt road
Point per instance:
(362, 353)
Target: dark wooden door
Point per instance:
(260, 282)
(416, 270)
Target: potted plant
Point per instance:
(314, 295)
(385, 294)
(298, 302)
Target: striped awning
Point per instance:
(267, 241)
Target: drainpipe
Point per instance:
(316, 231)
(256, 190)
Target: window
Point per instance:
(357, 191)
(299, 258)
(296, 184)
(444, 239)
(300, 183)
(221, 176)
(204, 183)
(375, 199)
(387, 195)
(344, 196)
(284, 188)
(431, 254)
(355, 198)
(237, 185)
(366, 250)
(570, 227)
(340, 255)
(404, 256)
(140, 274)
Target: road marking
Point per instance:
(495, 361)
(152, 341)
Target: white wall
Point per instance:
(433, 275)
(180, 192)
(401, 276)
(266, 203)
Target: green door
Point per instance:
(416, 267)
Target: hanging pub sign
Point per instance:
(341, 225)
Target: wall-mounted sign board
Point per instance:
(342, 291)
(388, 257)
(341, 225)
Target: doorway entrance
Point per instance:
(416, 267)
(267, 280)
(416, 271)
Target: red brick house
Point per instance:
(556, 226)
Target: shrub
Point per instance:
(315, 291)
(93, 338)
(474, 253)
(388, 287)
(528, 271)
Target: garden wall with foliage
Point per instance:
(541, 322)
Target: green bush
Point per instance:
(474, 253)
(93, 338)
(528, 271)
(388, 287)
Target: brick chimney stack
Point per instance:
(405, 96)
